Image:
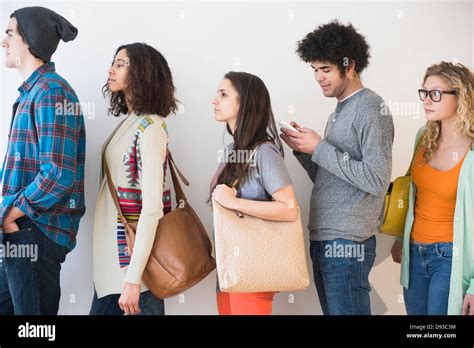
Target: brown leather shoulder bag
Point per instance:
(181, 255)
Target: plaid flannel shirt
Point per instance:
(43, 170)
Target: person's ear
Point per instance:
(350, 69)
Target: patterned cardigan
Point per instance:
(136, 156)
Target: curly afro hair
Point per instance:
(337, 44)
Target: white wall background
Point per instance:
(202, 41)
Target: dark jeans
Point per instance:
(30, 278)
(341, 273)
(108, 305)
(430, 275)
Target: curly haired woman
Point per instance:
(437, 253)
(140, 86)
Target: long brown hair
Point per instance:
(255, 124)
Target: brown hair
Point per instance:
(149, 83)
(255, 124)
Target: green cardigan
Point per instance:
(462, 272)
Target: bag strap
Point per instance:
(113, 193)
(175, 173)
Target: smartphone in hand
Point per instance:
(284, 124)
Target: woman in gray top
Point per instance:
(252, 177)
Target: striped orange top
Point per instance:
(435, 201)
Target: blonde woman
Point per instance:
(438, 246)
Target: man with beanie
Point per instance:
(42, 177)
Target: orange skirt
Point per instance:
(248, 303)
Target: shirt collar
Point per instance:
(343, 100)
(35, 76)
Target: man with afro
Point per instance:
(350, 166)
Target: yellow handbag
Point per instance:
(396, 202)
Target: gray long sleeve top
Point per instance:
(351, 169)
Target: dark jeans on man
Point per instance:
(341, 274)
(108, 305)
(30, 278)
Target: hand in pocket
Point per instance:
(10, 227)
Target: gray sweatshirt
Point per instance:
(351, 169)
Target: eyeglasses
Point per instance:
(435, 95)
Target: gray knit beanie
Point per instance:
(42, 29)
